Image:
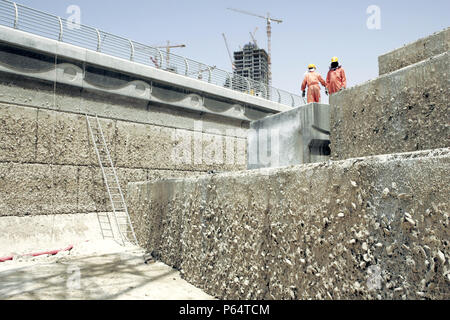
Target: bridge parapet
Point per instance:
(19, 17)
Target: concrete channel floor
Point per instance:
(98, 270)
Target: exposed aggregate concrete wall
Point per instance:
(318, 231)
(36, 189)
(412, 53)
(48, 164)
(404, 111)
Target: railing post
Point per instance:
(279, 95)
(132, 50)
(99, 41)
(61, 30)
(187, 67)
(293, 101)
(209, 74)
(266, 91)
(160, 58)
(16, 18)
(230, 79)
(248, 85)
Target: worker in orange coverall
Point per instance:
(312, 80)
(336, 80)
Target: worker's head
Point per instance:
(312, 67)
(334, 62)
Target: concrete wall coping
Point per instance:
(416, 41)
(423, 154)
(293, 111)
(35, 42)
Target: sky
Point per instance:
(311, 32)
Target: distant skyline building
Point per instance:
(253, 63)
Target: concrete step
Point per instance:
(417, 51)
(403, 111)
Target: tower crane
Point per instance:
(233, 66)
(269, 34)
(252, 35)
(168, 47)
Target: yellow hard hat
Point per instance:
(312, 65)
(334, 59)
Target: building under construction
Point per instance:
(252, 62)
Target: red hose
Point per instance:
(6, 259)
(52, 253)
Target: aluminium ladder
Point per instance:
(122, 220)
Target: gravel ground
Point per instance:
(96, 270)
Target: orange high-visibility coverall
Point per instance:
(336, 80)
(311, 81)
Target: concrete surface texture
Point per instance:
(417, 51)
(96, 270)
(48, 164)
(289, 138)
(24, 235)
(366, 228)
(403, 111)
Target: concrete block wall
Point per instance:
(318, 231)
(47, 160)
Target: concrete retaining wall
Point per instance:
(415, 52)
(317, 231)
(403, 111)
(48, 164)
(290, 138)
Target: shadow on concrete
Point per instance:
(103, 277)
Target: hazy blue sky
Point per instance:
(312, 31)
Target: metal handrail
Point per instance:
(53, 27)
